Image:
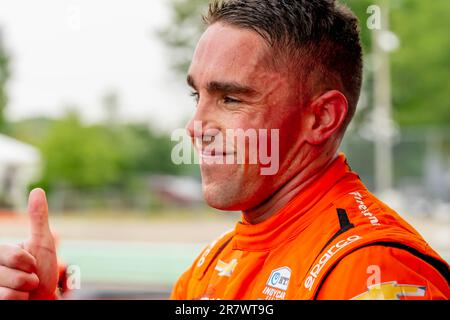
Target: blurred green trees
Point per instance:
(4, 76)
(117, 155)
(420, 76)
(420, 68)
(79, 156)
(182, 34)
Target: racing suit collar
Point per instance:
(293, 218)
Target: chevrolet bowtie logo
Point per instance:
(391, 291)
(226, 269)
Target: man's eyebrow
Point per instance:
(224, 87)
(230, 87)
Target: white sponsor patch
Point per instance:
(277, 284)
(279, 278)
(315, 271)
(202, 259)
(364, 209)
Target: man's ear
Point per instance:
(327, 114)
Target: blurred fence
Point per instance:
(421, 167)
(150, 193)
(421, 179)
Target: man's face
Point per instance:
(238, 88)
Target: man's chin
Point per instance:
(220, 204)
(222, 199)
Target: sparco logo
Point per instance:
(327, 256)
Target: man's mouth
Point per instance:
(214, 153)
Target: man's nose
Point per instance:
(194, 128)
(191, 127)
(202, 119)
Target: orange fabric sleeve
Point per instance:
(384, 273)
(180, 288)
(179, 291)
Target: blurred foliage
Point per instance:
(83, 156)
(119, 156)
(420, 68)
(182, 34)
(102, 155)
(420, 77)
(4, 76)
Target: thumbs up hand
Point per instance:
(30, 271)
(41, 246)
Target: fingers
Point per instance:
(17, 258)
(18, 280)
(38, 213)
(11, 294)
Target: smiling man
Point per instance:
(310, 229)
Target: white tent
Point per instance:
(19, 165)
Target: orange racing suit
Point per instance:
(334, 240)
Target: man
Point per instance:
(311, 230)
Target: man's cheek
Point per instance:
(269, 152)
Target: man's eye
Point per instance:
(230, 100)
(195, 95)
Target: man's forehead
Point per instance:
(227, 49)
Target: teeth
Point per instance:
(215, 154)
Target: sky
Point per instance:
(72, 52)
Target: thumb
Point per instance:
(38, 213)
(41, 246)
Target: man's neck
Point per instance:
(293, 187)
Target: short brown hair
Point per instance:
(321, 37)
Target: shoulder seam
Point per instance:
(440, 266)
